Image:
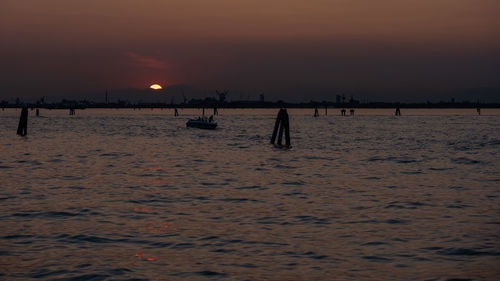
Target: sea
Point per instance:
(124, 194)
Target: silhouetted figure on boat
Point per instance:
(22, 128)
(211, 118)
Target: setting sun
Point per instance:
(156, 87)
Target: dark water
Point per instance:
(134, 195)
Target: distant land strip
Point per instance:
(65, 104)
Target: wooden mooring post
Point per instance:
(398, 112)
(316, 113)
(22, 128)
(283, 124)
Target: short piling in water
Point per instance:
(342, 112)
(176, 112)
(351, 112)
(398, 112)
(71, 111)
(316, 113)
(326, 110)
(216, 111)
(37, 112)
(22, 128)
(283, 124)
(478, 111)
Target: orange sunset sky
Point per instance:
(405, 50)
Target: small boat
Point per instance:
(201, 124)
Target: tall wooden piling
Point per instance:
(280, 133)
(398, 112)
(216, 112)
(283, 124)
(37, 112)
(287, 129)
(316, 113)
(22, 128)
(326, 110)
(176, 112)
(276, 126)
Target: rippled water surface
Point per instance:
(135, 195)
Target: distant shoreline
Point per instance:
(244, 104)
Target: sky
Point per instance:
(294, 50)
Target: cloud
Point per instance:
(146, 62)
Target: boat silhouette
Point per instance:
(202, 123)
